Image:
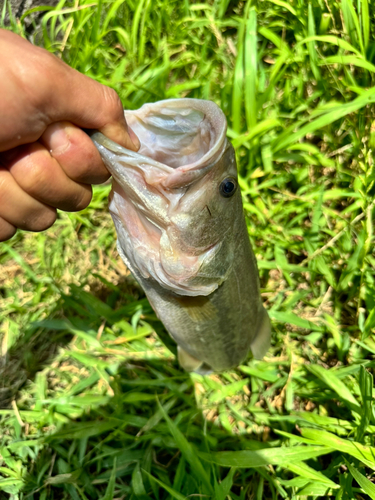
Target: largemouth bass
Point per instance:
(181, 231)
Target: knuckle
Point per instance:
(44, 63)
(38, 178)
(86, 161)
(113, 104)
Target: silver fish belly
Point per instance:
(181, 231)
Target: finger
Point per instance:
(75, 152)
(7, 230)
(42, 89)
(40, 176)
(88, 104)
(20, 209)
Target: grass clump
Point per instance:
(93, 403)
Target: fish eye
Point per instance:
(228, 187)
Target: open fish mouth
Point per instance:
(178, 141)
(183, 134)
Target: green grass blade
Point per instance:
(304, 470)
(294, 319)
(3, 13)
(365, 454)
(187, 451)
(135, 25)
(143, 32)
(311, 45)
(365, 23)
(352, 23)
(284, 141)
(348, 60)
(285, 5)
(334, 40)
(109, 492)
(111, 13)
(174, 494)
(367, 486)
(96, 28)
(268, 456)
(222, 489)
(259, 129)
(250, 62)
(334, 383)
(238, 89)
(137, 482)
(366, 384)
(222, 8)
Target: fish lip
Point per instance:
(171, 178)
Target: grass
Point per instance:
(94, 405)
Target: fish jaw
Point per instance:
(148, 249)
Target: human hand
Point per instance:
(46, 160)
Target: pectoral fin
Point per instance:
(199, 308)
(188, 363)
(191, 364)
(261, 342)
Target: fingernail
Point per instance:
(59, 141)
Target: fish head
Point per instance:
(209, 207)
(206, 220)
(176, 202)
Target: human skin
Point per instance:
(47, 161)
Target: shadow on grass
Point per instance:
(130, 434)
(86, 310)
(98, 413)
(98, 416)
(31, 352)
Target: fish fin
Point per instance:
(199, 308)
(188, 362)
(262, 341)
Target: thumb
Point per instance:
(89, 104)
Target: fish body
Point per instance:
(181, 232)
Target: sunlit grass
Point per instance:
(95, 405)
